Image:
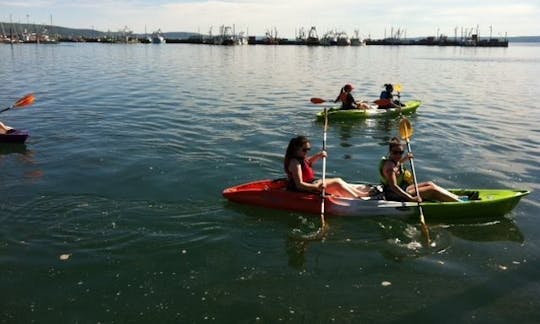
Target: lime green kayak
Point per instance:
(490, 203)
(335, 113)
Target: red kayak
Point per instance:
(14, 136)
(274, 194)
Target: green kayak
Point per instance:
(490, 203)
(335, 113)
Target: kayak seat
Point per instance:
(474, 195)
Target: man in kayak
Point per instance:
(386, 99)
(298, 167)
(393, 179)
(347, 100)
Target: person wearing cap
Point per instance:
(347, 100)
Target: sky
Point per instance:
(375, 19)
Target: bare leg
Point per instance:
(339, 187)
(361, 190)
(3, 128)
(431, 191)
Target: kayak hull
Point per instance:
(16, 136)
(273, 194)
(335, 113)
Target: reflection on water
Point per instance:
(9, 148)
(487, 230)
(397, 239)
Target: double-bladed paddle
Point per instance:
(406, 131)
(319, 101)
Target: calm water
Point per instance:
(131, 147)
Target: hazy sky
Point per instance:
(370, 17)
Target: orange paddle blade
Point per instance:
(25, 101)
(317, 100)
(382, 102)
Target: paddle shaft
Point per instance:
(318, 101)
(323, 192)
(8, 108)
(422, 220)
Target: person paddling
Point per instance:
(388, 98)
(347, 99)
(393, 179)
(301, 176)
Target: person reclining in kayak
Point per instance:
(386, 99)
(347, 100)
(301, 177)
(393, 179)
(4, 129)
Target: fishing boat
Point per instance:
(301, 37)
(274, 194)
(271, 37)
(343, 39)
(157, 37)
(313, 37)
(336, 113)
(356, 40)
(14, 136)
(329, 38)
(226, 36)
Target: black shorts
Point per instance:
(292, 187)
(389, 194)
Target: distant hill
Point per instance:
(524, 39)
(64, 32)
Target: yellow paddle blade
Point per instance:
(397, 87)
(405, 129)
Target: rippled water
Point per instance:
(112, 210)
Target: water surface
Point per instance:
(131, 146)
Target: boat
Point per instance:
(157, 37)
(273, 194)
(271, 37)
(301, 37)
(336, 113)
(343, 39)
(329, 38)
(356, 40)
(226, 36)
(313, 37)
(14, 136)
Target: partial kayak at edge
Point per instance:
(15, 136)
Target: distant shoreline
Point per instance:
(74, 33)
